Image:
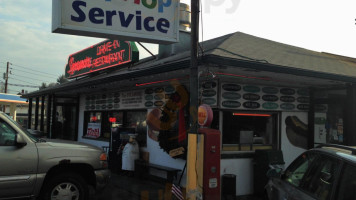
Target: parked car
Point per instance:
(327, 172)
(31, 167)
(36, 133)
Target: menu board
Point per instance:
(209, 93)
(131, 99)
(115, 100)
(158, 96)
(251, 97)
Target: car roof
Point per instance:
(344, 152)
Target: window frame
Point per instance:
(104, 121)
(340, 176)
(251, 147)
(316, 171)
(10, 128)
(307, 172)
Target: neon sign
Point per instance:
(107, 54)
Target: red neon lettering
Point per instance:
(116, 44)
(110, 58)
(103, 49)
(79, 65)
(200, 114)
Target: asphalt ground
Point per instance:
(123, 187)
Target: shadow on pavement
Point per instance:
(123, 187)
(132, 188)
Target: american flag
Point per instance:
(177, 192)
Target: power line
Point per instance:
(31, 73)
(27, 77)
(19, 85)
(33, 70)
(22, 81)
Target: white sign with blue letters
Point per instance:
(154, 21)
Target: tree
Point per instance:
(62, 79)
(52, 84)
(43, 86)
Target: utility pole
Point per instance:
(7, 76)
(194, 83)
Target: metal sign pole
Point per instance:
(194, 79)
(194, 83)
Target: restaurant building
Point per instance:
(264, 95)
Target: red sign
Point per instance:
(112, 119)
(205, 115)
(104, 55)
(93, 130)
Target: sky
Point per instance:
(37, 55)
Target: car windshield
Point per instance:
(23, 129)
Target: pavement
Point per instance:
(123, 187)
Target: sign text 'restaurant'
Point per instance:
(107, 54)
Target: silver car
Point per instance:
(52, 169)
(327, 172)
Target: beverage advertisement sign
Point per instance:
(93, 130)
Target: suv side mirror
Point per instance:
(274, 173)
(20, 142)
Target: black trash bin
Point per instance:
(228, 187)
(262, 161)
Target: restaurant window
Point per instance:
(97, 124)
(244, 131)
(137, 120)
(329, 116)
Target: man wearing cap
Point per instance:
(130, 154)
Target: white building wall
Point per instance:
(290, 151)
(243, 169)
(159, 157)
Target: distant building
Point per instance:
(15, 106)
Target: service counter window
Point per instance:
(97, 124)
(245, 131)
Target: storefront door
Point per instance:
(330, 118)
(65, 122)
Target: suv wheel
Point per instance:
(66, 186)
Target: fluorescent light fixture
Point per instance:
(251, 114)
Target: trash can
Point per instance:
(228, 188)
(262, 161)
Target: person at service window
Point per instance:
(129, 155)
